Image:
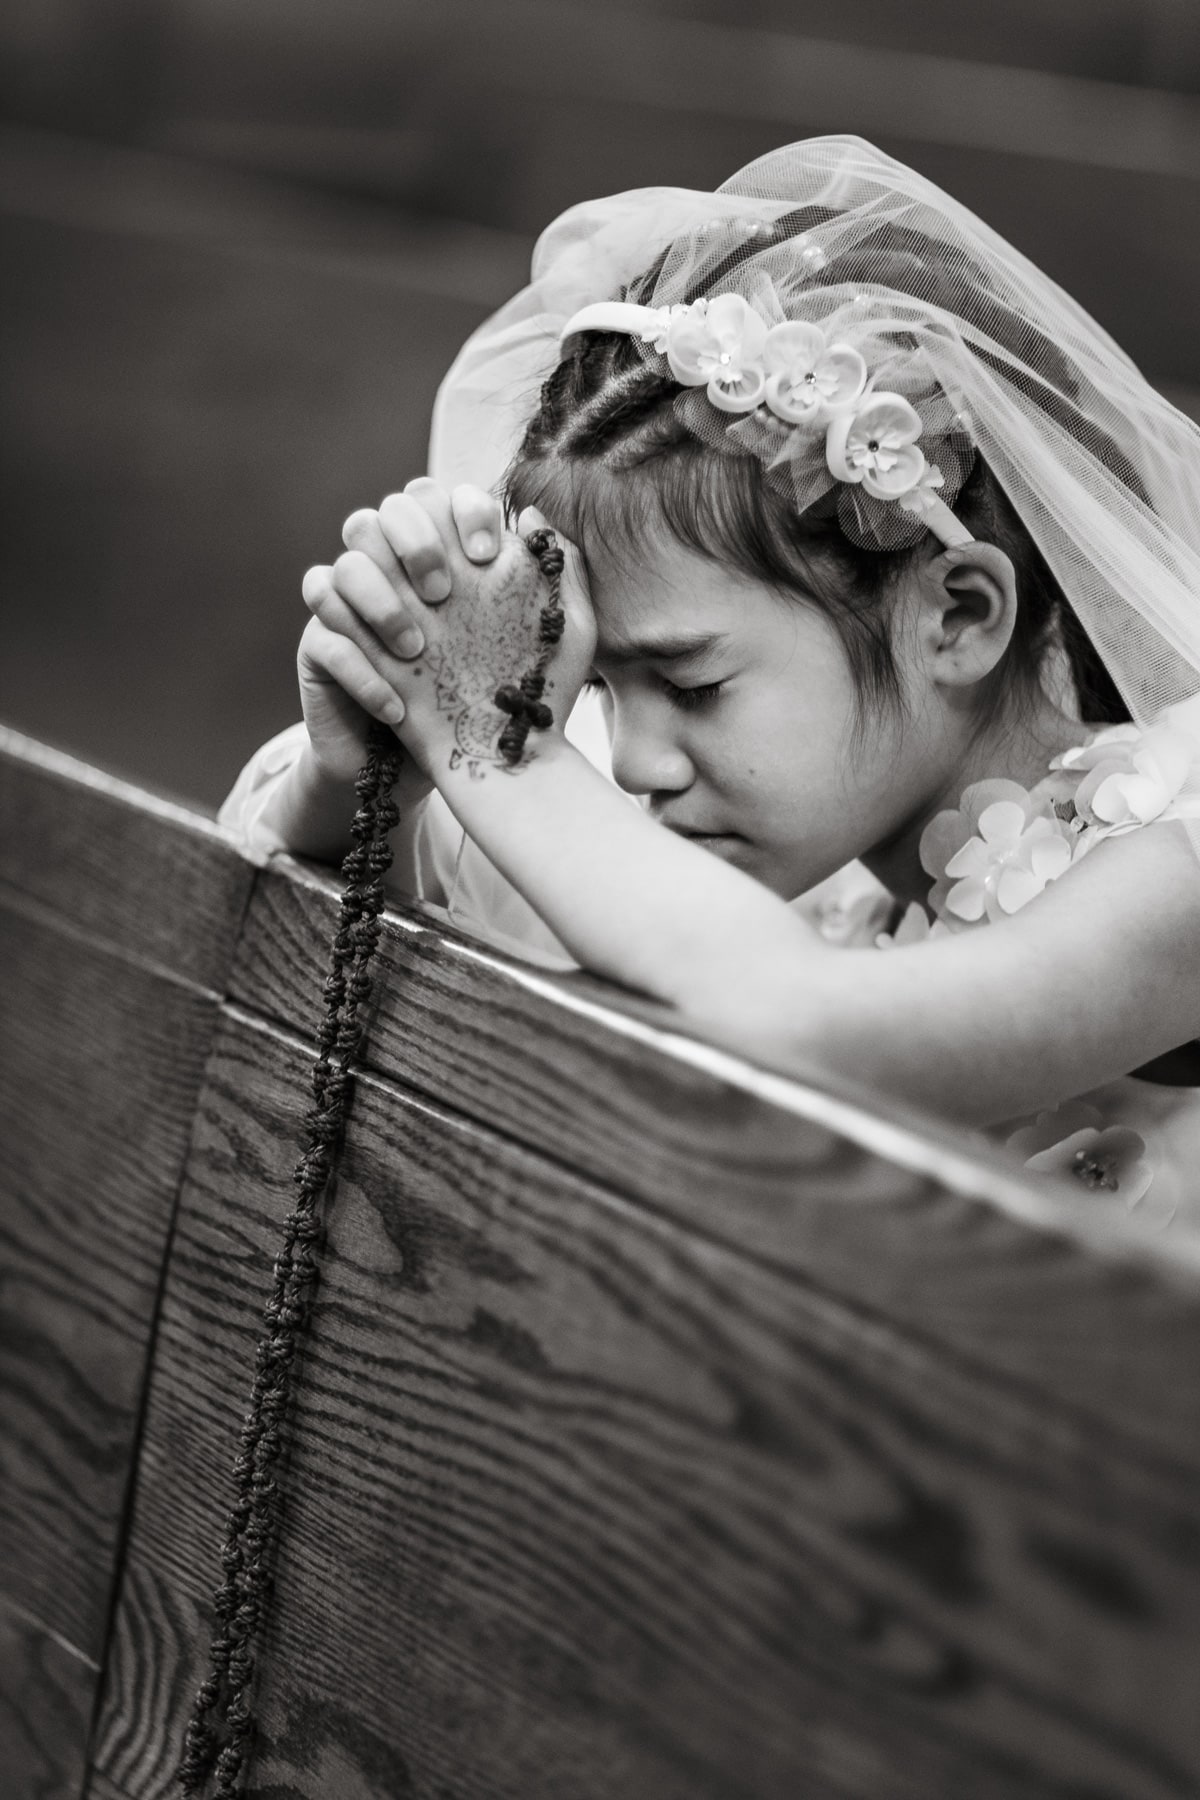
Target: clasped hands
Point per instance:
(431, 608)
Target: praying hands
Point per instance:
(432, 610)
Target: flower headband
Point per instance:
(790, 374)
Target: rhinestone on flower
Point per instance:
(1095, 1170)
(1075, 1140)
(721, 351)
(876, 444)
(809, 380)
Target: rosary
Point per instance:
(241, 1601)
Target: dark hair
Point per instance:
(605, 409)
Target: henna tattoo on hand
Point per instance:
(491, 721)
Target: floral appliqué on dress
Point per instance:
(996, 852)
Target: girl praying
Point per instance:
(879, 554)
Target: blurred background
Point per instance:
(241, 241)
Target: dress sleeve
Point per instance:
(478, 898)
(451, 871)
(242, 808)
(1127, 776)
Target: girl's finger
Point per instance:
(362, 531)
(530, 519)
(574, 589)
(355, 598)
(346, 664)
(418, 541)
(480, 521)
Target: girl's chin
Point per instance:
(732, 849)
(742, 853)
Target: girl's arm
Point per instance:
(1095, 977)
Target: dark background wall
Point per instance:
(241, 240)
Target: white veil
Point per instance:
(1103, 471)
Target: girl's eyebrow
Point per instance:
(663, 649)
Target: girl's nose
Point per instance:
(646, 760)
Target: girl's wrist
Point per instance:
(311, 810)
(472, 782)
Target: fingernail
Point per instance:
(410, 642)
(435, 587)
(481, 545)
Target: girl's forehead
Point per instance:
(667, 592)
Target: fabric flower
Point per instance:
(1041, 1131)
(921, 498)
(860, 922)
(948, 831)
(1010, 858)
(721, 350)
(854, 923)
(1111, 741)
(1084, 1142)
(655, 331)
(1131, 776)
(876, 444)
(809, 380)
(1108, 1159)
(994, 854)
(914, 928)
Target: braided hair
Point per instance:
(608, 452)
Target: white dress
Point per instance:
(1138, 1136)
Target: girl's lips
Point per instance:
(689, 831)
(728, 844)
(718, 841)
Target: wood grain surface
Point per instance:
(100, 1067)
(668, 1430)
(585, 1504)
(908, 1219)
(105, 1032)
(140, 874)
(46, 1691)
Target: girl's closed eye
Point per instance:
(689, 698)
(686, 698)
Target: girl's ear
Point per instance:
(968, 609)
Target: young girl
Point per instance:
(878, 550)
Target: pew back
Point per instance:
(667, 1428)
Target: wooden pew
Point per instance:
(669, 1428)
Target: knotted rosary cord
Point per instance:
(252, 1528)
(524, 704)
